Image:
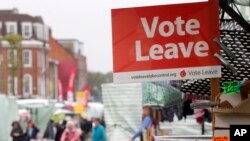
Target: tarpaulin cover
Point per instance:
(122, 110)
(157, 95)
(9, 113)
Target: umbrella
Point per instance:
(62, 111)
(59, 115)
(57, 118)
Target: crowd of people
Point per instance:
(18, 134)
(66, 130)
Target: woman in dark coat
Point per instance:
(16, 132)
(32, 130)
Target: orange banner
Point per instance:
(221, 138)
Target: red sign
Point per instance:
(167, 42)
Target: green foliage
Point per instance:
(13, 39)
(96, 79)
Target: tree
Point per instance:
(15, 57)
(96, 79)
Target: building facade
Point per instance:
(31, 54)
(34, 67)
(66, 62)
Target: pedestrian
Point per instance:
(146, 127)
(70, 133)
(86, 127)
(16, 132)
(60, 127)
(32, 131)
(50, 131)
(98, 131)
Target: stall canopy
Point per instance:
(40, 109)
(9, 113)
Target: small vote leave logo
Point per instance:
(183, 73)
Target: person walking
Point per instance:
(16, 132)
(86, 127)
(32, 131)
(146, 126)
(70, 133)
(50, 131)
(98, 131)
(60, 127)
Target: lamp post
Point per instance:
(45, 61)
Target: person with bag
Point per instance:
(70, 133)
(146, 129)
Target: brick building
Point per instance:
(66, 62)
(30, 79)
(44, 60)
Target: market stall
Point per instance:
(40, 110)
(123, 106)
(9, 113)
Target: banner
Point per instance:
(60, 91)
(166, 42)
(70, 93)
(80, 97)
(87, 91)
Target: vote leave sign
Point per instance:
(167, 42)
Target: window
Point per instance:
(12, 57)
(11, 28)
(27, 85)
(26, 30)
(27, 58)
(41, 31)
(11, 87)
(41, 86)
